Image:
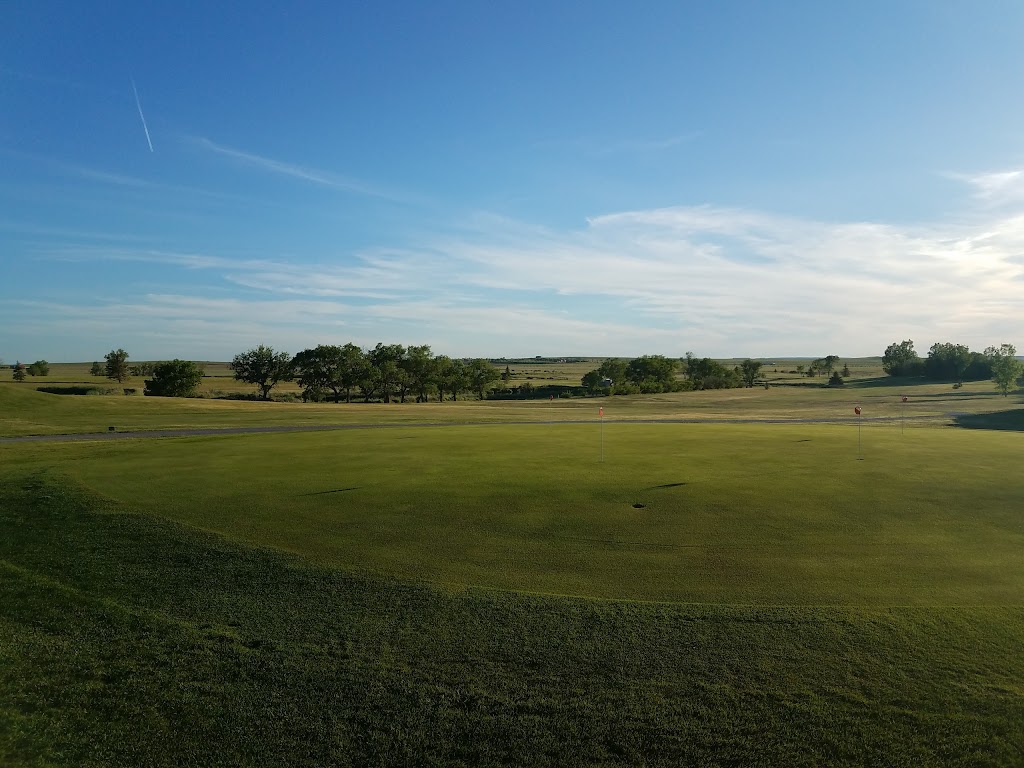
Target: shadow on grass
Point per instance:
(75, 390)
(333, 490)
(886, 381)
(953, 395)
(1002, 420)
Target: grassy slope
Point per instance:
(761, 514)
(125, 640)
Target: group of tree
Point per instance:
(386, 372)
(824, 366)
(38, 368)
(117, 365)
(956, 363)
(170, 378)
(656, 373)
(649, 373)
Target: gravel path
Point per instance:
(153, 433)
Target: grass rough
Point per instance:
(126, 639)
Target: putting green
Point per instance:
(738, 514)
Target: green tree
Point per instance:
(117, 365)
(386, 374)
(263, 367)
(318, 370)
(614, 370)
(749, 370)
(481, 375)
(827, 363)
(948, 361)
(846, 371)
(591, 381)
(506, 375)
(900, 359)
(353, 368)
(96, 370)
(39, 368)
(1006, 368)
(652, 373)
(451, 377)
(420, 370)
(174, 378)
(705, 373)
(19, 372)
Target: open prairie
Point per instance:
(508, 583)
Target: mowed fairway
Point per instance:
(731, 514)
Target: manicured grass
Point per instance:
(739, 514)
(489, 595)
(129, 640)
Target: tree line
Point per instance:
(656, 373)
(393, 371)
(387, 372)
(325, 372)
(956, 363)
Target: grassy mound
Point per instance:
(129, 640)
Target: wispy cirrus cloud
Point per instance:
(304, 173)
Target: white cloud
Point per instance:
(996, 187)
(717, 280)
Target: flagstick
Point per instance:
(602, 435)
(860, 453)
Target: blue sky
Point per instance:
(530, 178)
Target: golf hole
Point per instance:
(639, 506)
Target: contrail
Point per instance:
(142, 116)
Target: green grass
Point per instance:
(736, 514)
(129, 640)
(488, 594)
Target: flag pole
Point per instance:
(601, 413)
(860, 452)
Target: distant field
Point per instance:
(24, 411)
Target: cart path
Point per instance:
(213, 431)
